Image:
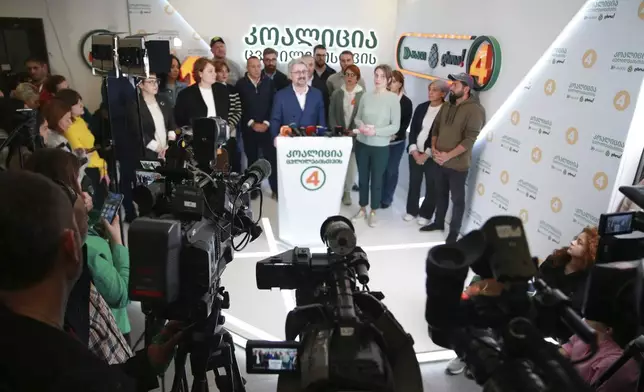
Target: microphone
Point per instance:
(255, 174)
(286, 130)
(311, 130)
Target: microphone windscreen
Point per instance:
(311, 130)
(262, 167)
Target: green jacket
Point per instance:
(110, 268)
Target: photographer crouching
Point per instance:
(42, 231)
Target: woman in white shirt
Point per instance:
(154, 125)
(420, 153)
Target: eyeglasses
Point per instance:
(299, 72)
(71, 193)
(152, 81)
(350, 75)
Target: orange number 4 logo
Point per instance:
(314, 179)
(481, 67)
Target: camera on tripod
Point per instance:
(349, 340)
(180, 249)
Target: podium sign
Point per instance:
(310, 172)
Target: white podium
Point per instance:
(310, 175)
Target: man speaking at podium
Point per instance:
(297, 105)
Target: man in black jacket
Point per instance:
(256, 92)
(280, 80)
(40, 263)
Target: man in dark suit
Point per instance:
(256, 92)
(280, 80)
(317, 83)
(298, 104)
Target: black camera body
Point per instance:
(501, 337)
(349, 341)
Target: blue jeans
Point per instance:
(390, 180)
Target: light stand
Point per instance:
(12, 135)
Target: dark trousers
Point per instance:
(372, 163)
(416, 174)
(256, 141)
(390, 180)
(452, 182)
(99, 188)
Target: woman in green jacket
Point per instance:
(342, 113)
(109, 263)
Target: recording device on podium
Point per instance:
(181, 246)
(292, 130)
(348, 339)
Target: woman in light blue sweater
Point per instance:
(378, 118)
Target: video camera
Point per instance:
(180, 249)
(349, 341)
(22, 126)
(500, 338)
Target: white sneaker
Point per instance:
(372, 221)
(362, 214)
(422, 221)
(346, 199)
(408, 217)
(455, 366)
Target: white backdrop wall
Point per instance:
(524, 30)
(66, 22)
(336, 21)
(556, 151)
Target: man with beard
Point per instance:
(335, 81)
(453, 134)
(280, 80)
(317, 83)
(299, 104)
(218, 50)
(322, 70)
(38, 71)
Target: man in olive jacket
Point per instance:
(453, 134)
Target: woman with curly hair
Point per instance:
(567, 268)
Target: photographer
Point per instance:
(613, 334)
(108, 262)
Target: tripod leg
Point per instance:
(232, 381)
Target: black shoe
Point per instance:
(384, 206)
(355, 188)
(432, 227)
(451, 237)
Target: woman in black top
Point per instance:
(397, 144)
(205, 98)
(151, 127)
(567, 269)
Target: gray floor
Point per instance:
(396, 251)
(434, 377)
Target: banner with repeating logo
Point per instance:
(311, 172)
(552, 153)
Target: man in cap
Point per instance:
(218, 50)
(454, 132)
